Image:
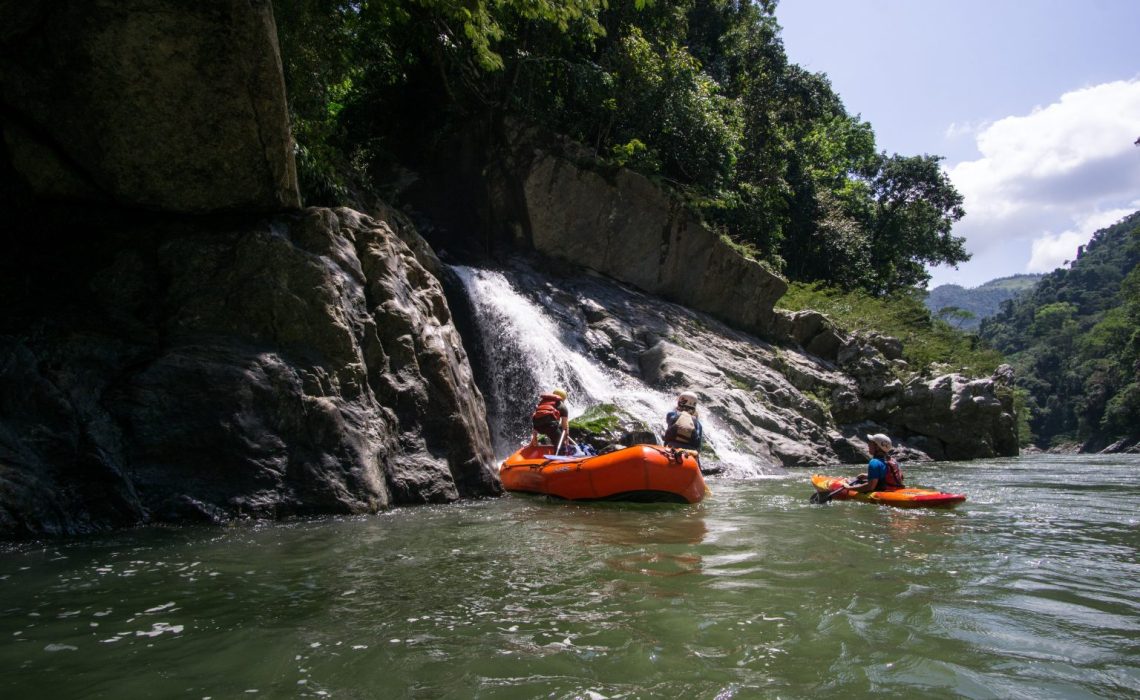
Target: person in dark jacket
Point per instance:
(683, 427)
(551, 418)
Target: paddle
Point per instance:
(820, 497)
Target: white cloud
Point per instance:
(1052, 251)
(957, 130)
(1045, 179)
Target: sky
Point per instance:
(1033, 104)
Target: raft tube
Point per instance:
(641, 473)
(903, 498)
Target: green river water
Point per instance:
(1030, 589)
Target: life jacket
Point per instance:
(547, 409)
(685, 427)
(894, 478)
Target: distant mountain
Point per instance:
(982, 301)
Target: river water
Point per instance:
(1028, 590)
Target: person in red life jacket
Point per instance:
(683, 428)
(551, 419)
(883, 471)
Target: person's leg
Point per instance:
(552, 434)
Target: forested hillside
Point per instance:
(1075, 341)
(966, 307)
(395, 97)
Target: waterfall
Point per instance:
(526, 351)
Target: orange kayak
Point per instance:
(641, 473)
(904, 498)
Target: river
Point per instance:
(1028, 590)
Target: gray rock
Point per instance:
(300, 365)
(157, 104)
(622, 225)
(971, 418)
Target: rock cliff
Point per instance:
(554, 200)
(157, 104)
(161, 361)
(180, 369)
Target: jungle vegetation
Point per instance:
(697, 94)
(1074, 340)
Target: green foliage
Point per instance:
(664, 96)
(1052, 319)
(1021, 409)
(910, 223)
(926, 341)
(598, 419)
(698, 94)
(634, 154)
(1122, 411)
(315, 36)
(1074, 340)
(955, 316)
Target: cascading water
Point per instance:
(526, 351)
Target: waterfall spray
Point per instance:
(527, 352)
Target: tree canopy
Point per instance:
(698, 94)
(1075, 342)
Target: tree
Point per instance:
(915, 207)
(956, 316)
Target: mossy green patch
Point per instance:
(601, 418)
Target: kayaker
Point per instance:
(551, 419)
(883, 471)
(682, 426)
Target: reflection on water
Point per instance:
(1026, 590)
(657, 564)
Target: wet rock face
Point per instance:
(179, 370)
(159, 104)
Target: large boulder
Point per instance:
(621, 224)
(204, 369)
(965, 418)
(158, 104)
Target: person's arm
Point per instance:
(864, 487)
(870, 480)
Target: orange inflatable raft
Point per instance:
(641, 473)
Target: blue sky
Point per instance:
(1035, 105)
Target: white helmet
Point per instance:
(882, 441)
(687, 400)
